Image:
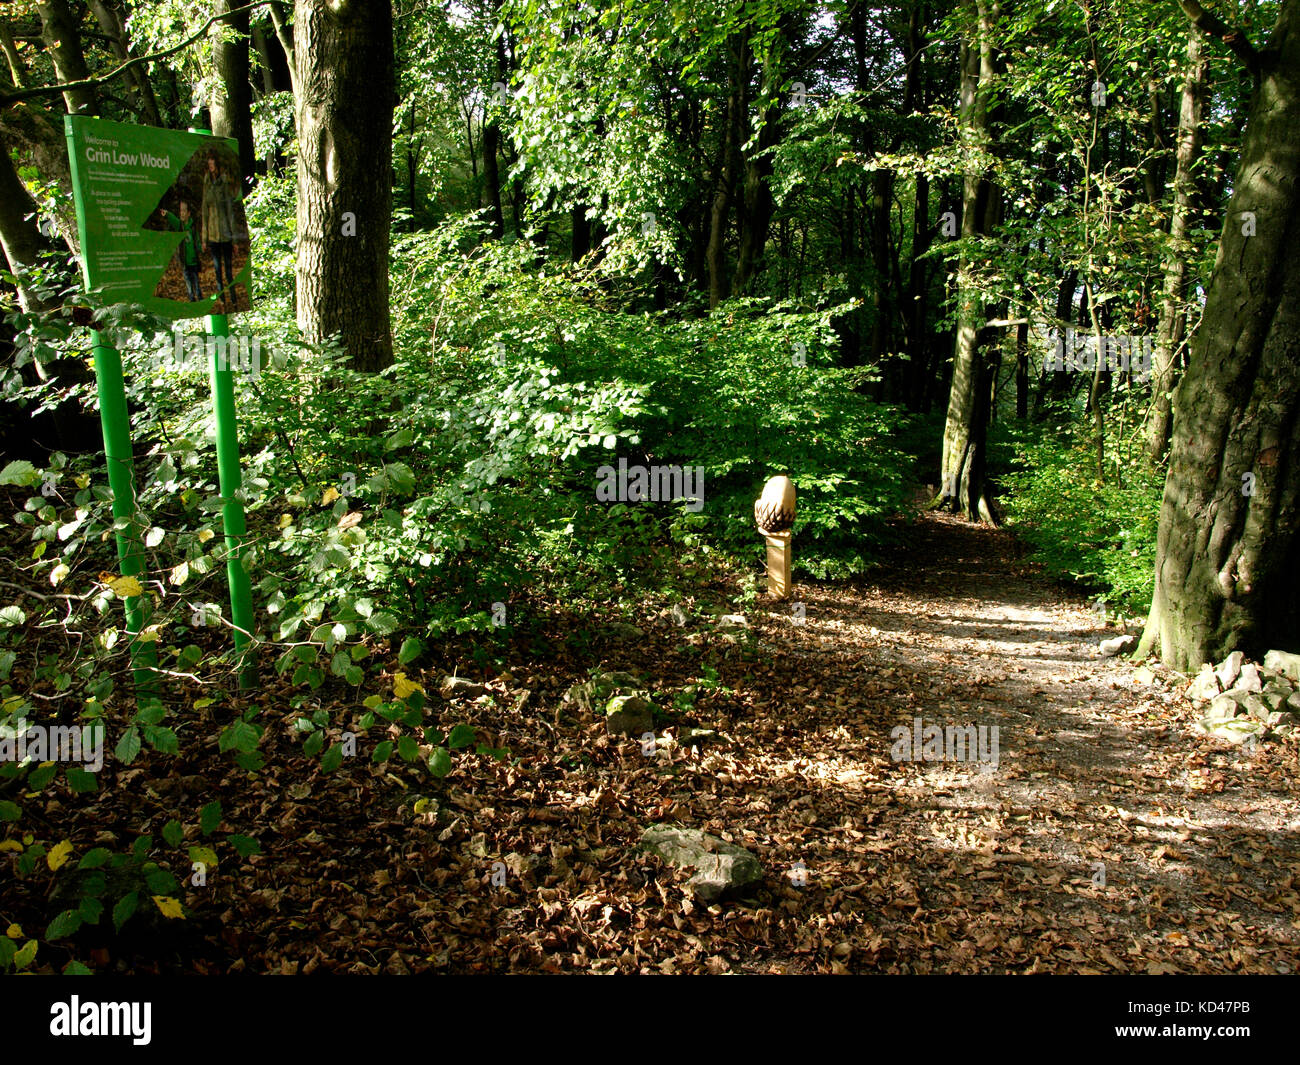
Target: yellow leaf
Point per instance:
(10, 845)
(58, 573)
(83, 480)
(205, 535)
(403, 687)
(330, 495)
(149, 634)
(199, 704)
(126, 587)
(286, 520)
(58, 854)
(168, 906)
(206, 855)
(14, 931)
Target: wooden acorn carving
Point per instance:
(774, 509)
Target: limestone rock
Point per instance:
(720, 868)
(1285, 663)
(591, 695)
(1118, 645)
(630, 715)
(1205, 686)
(1248, 679)
(1229, 669)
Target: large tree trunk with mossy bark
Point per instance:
(1228, 562)
(343, 55)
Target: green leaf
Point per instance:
(440, 762)
(333, 758)
(151, 714)
(461, 736)
(314, 743)
(94, 858)
(12, 615)
(383, 751)
(354, 675)
(25, 956)
(9, 811)
(407, 748)
(240, 736)
(162, 739)
(19, 472)
(63, 925)
(91, 910)
(411, 650)
(161, 882)
(81, 781)
(42, 775)
(173, 832)
(76, 968)
(210, 817)
(382, 623)
(126, 906)
(128, 746)
(245, 845)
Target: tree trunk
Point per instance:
(1172, 325)
(1227, 567)
(726, 176)
(491, 163)
(108, 13)
(23, 244)
(231, 102)
(63, 42)
(965, 432)
(759, 202)
(343, 55)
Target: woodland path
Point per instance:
(908, 867)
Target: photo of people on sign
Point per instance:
(204, 206)
(160, 217)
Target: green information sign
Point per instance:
(160, 217)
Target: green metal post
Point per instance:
(230, 481)
(127, 527)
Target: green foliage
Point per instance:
(1099, 534)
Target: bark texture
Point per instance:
(343, 55)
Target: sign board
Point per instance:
(160, 216)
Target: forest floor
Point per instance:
(1109, 836)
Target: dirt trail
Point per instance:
(998, 869)
(871, 865)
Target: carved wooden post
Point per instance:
(774, 515)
